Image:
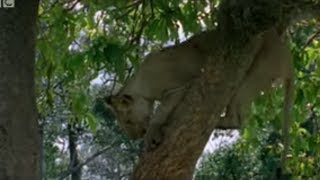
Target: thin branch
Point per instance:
(114, 84)
(152, 8)
(88, 160)
(124, 14)
(309, 41)
(73, 5)
(136, 3)
(134, 25)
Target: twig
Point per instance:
(136, 3)
(309, 41)
(73, 5)
(91, 158)
(152, 8)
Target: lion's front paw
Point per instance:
(153, 138)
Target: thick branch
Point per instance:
(234, 45)
(196, 117)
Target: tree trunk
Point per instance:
(42, 151)
(74, 160)
(233, 46)
(195, 118)
(19, 136)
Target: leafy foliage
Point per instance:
(79, 41)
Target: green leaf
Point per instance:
(152, 29)
(92, 122)
(78, 103)
(299, 97)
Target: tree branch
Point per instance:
(310, 40)
(88, 160)
(230, 50)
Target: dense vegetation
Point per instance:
(79, 41)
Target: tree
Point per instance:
(79, 40)
(196, 117)
(19, 133)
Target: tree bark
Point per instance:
(19, 136)
(73, 153)
(233, 45)
(196, 117)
